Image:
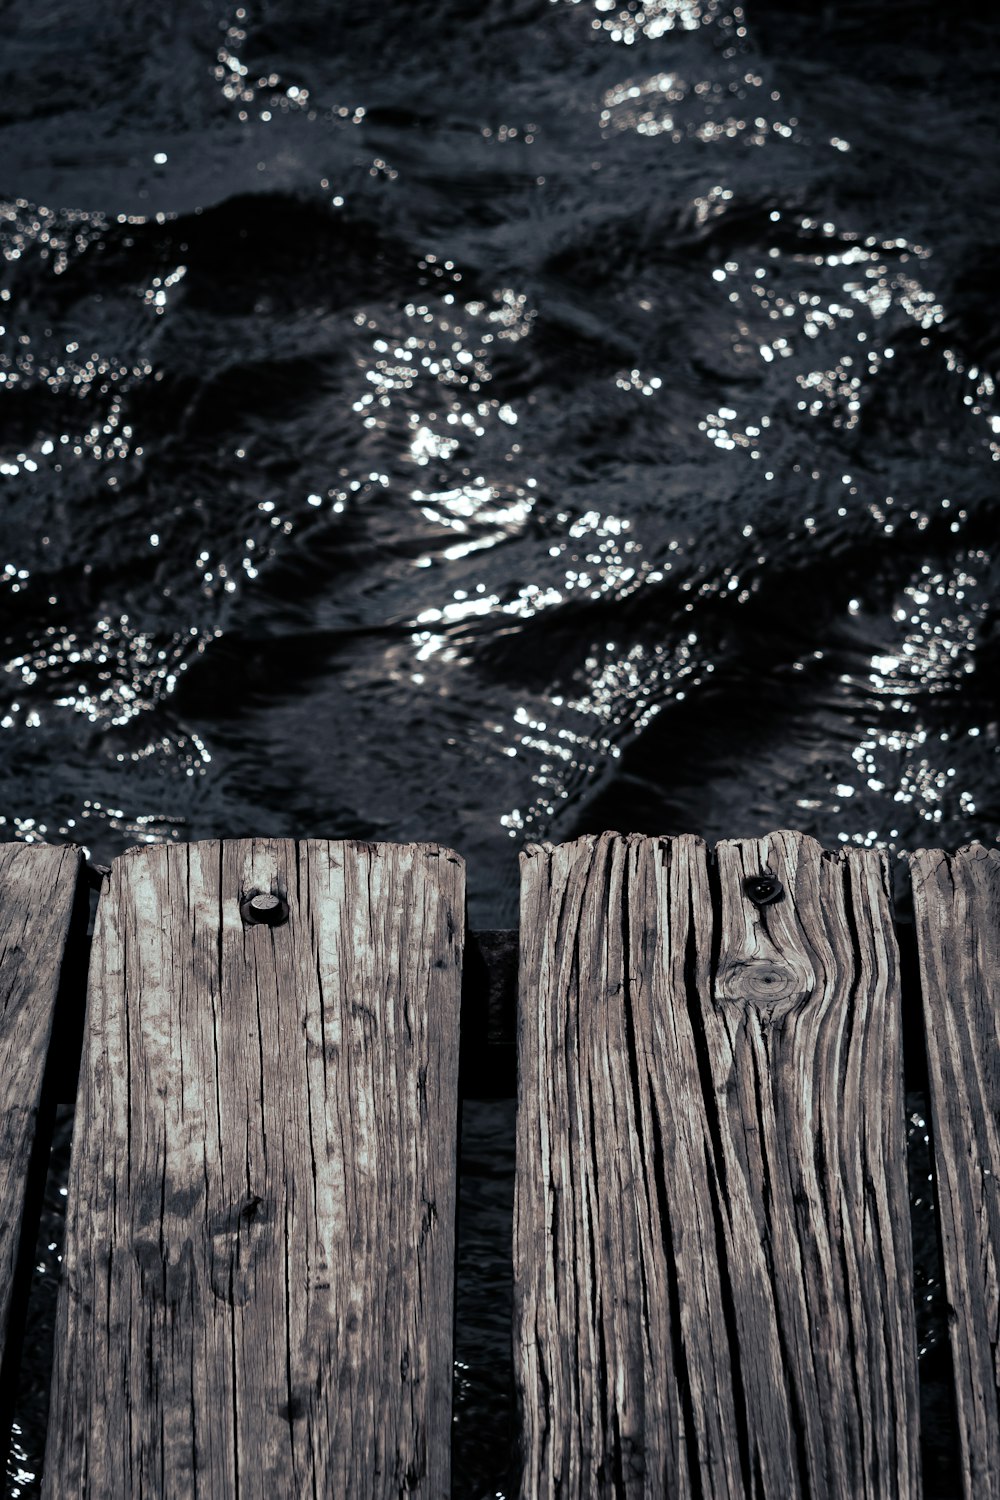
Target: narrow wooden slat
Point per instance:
(37, 889)
(956, 900)
(257, 1297)
(713, 1282)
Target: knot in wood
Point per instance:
(764, 982)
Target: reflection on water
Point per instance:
(504, 410)
(481, 423)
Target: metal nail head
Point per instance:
(264, 910)
(763, 890)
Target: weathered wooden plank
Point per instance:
(712, 1248)
(956, 900)
(37, 888)
(258, 1280)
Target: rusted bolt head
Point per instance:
(264, 910)
(763, 890)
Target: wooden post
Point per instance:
(956, 900)
(37, 889)
(713, 1281)
(257, 1297)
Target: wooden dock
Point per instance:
(714, 1287)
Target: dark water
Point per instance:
(490, 421)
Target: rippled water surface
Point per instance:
(493, 421)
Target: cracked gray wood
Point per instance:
(37, 889)
(257, 1293)
(956, 902)
(713, 1280)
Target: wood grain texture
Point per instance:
(37, 890)
(713, 1281)
(956, 900)
(257, 1297)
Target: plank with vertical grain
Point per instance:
(956, 903)
(258, 1280)
(38, 887)
(713, 1280)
